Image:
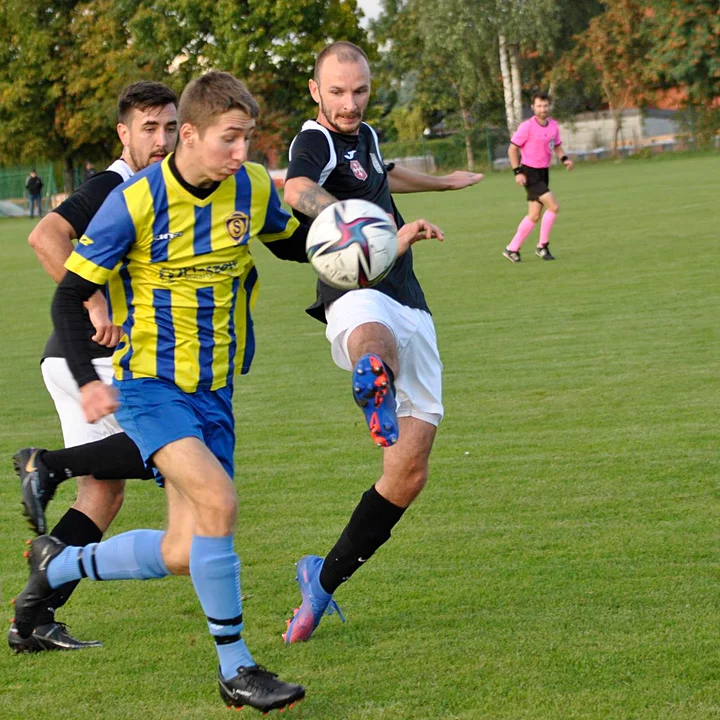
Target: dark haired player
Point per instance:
(147, 127)
(530, 153)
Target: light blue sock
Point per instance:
(134, 555)
(215, 572)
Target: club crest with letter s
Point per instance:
(237, 226)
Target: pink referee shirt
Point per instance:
(536, 142)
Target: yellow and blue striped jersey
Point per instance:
(181, 280)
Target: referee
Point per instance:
(530, 153)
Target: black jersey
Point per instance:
(351, 166)
(79, 210)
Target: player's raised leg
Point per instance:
(375, 348)
(405, 464)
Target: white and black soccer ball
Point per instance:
(352, 244)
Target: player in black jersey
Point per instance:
(384, 335)
(147, 127)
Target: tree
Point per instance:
(685, 50)
(684, 36)
(520, 23)
(271, 46)
(479, 52)
(62, 65)
(512, 85)
(571, 18)
(446, 60)
(612, 51)
(532, 35)
(63, 62)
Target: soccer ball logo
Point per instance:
(352, 244)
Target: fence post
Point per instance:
(425, 134)
(488, 145)
(692, 127)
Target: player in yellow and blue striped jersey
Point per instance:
(172, 245)
(184, 270)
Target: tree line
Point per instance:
(468, 63)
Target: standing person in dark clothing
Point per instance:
(147, 127)
(384, 335)
(90, 171)
(34, 185)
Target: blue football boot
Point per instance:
(373, 391)
(315, 601)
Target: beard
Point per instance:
(142, 163)
(332, 120)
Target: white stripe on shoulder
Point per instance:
(332, 163)
(375, 138)
(122, 169)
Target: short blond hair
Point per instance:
(211, 95)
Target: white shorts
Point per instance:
(66, 395)
(418, 381)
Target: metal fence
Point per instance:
(441, 154)
(490, 151)
(14, 194)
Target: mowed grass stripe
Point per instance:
(566, 567)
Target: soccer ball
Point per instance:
(352, 244)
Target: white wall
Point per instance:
(593, 130)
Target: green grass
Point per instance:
(566, 568)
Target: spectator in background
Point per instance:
(34, 185)
(89, 171)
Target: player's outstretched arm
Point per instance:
(306, 196)
(417, 230)
(404, 180)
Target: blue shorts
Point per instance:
(155, 413)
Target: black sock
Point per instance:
(368, 529)
(74, 528)
(113, 458)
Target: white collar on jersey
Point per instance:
(122, 169)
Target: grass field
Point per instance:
(567, 567)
